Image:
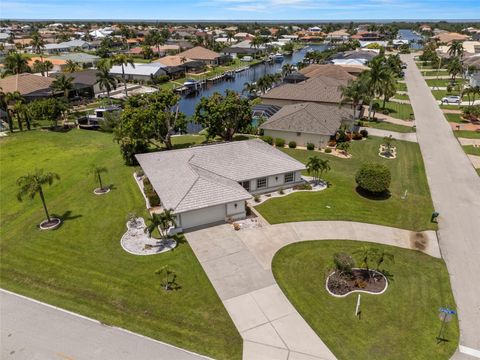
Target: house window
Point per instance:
(261, 183)
(245, 184)
(289, 177)
(299, 134)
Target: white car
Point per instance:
(452, 99)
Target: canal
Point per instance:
(188, 102)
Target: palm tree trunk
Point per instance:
(44, 204)
(100, 181)
(124, 81)
(370, 110)
(9, 121)
(19, 121)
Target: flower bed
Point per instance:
(137, 242)
(360, 280)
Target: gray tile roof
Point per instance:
(203, 176)
(312, 118)
(317, 89)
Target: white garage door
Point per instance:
(203, 216)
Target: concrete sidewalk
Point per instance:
(455, 189)
(238, 263)
(33, 330)
(411, 136)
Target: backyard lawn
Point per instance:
(396, 110)
(401, 96)
(81, 266)
(388, 126)
(401, 323)
(401, 86)
(471, 150)
(342, 202)
(467, 134)
(443, 82)
(456, 118)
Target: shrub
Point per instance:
(292, 144)
(279, 142)
(385, 112)
(280, 191)
(343, 262)
(364, 133)
(268, 139)
(357, 136)
(341, 136)
(140, 173)
(256, 198)
(374, 178)
(360, 123)
(310, 146)
(328, 151)
(146, 182)
(305, 186)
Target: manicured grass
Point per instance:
(439, 94)
(467, 134)
(443, 83)
(401, 323)
(435, 73)
(401, 86)
(396, 110)
(81, 266)
(451, 107)
(401, 96)
(342, 202)
(456, 118)
(471, 150)
(388, 126)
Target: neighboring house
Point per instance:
(334, 71)
(361, 56)
(367, 36)
(58, 64)
(448, 37)
(139, 72)
(66, 46)
(339, 35)
(85, 82)
(475, 80)
(243, 48)
(469, 48)
(208, 57)
(176, 66)
(83, 59)
(320, 89)
(308, 123)
(162, 50)
(30, 86)
(211, 183)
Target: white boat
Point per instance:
(190, 82)
(246, 58)
(278, 57)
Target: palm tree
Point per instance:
(47, 66)
(4, 107)
(183, 60)
(250, 88)
(71, 66)
(147, 52)
(37, 43)
(313, 167)
(31, 184)
(454, 68)
(162, 222)
(365, 252)
(382, 256)
(16, 63)
(63, 83)
(388, 140)
(287, 69)
(456, 49)
(156, 39)
(230, 36)
(13, 101)
(389, 86)
(324, 166)
(96, 172)
(123, 60)
(168, 276)
(354, 93)
(374, 79)
(105, 80)
(344, 146)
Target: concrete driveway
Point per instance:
(455, 189)
(238, 263)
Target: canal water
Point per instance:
(414, 38)
(188, 102)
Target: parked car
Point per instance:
(452, 99)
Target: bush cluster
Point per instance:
(268, 139)
(364, 133)
(357, 136)
(374, 178)
(310, 146)
(292, 144)
(279, 142)
(328, 151)
(150, 193)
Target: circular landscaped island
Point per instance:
(101, 191)
(50, 224)
(358, 280)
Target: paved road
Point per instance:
(238, 263)
(32, 330)
(455, 189)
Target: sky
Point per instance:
(240, 9)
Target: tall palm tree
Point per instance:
(71, 66)
(4, 107)
(47, 66)
(16, 63)
(313, 167)
(353, 93)
(63, 83)
(32, 184)
(96, 172)
(123, 60)
(14, 100)
(324, 166)
(37, 43)
(250, 88)
(38, 67)
(456, 49)
(454, 68)
(162, 222)
(287, 69)
(374, 79)
(389, 86)
(105, 80)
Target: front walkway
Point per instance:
(238, 263)
(455, 189)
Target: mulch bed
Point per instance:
(50, 225)
(342, 284)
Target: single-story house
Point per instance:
(30, 86)
(161, 50)
(338, 35)
(243, 48)
(84, 59)
(211, 183)
(362, 56)
(308, 123)
(65, 46)
(320, 89)
(85, 82)
(139, 72)
(448, 37)
(330, 70)
(208, 57)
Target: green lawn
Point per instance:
(467, 134)
(435, 73)
(388, 126)
(396, 110)
(471, 150)
(342, 202)
(401, 86)
(456, 118)
(401, 96)
(81, 266)
(402, 323)
(444, 83)
(451, 107)
(439, 94)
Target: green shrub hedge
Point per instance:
(374, 178)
